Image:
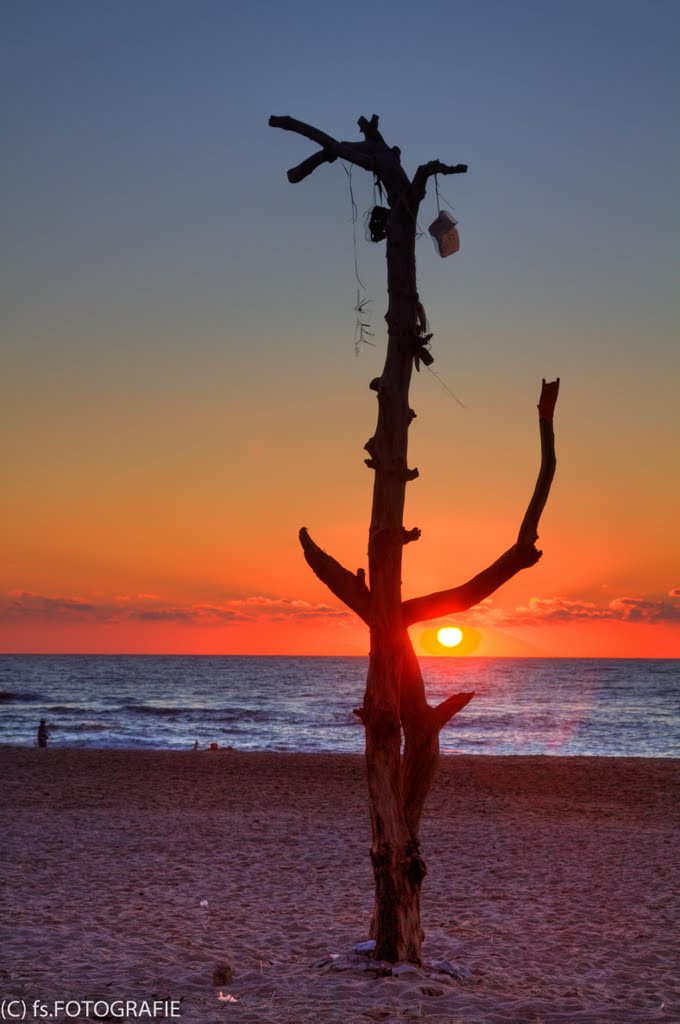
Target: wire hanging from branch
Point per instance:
(441, 197)
(362, 327)
(363, 334)
(354, 218)
(444, 385)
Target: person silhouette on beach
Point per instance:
(43, 733)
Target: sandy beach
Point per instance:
(552, 887)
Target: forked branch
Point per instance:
(369, 129)
(373, 154)
(521, 555)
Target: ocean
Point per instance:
(603, 707)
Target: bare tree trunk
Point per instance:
(395, 700)
(399, 869)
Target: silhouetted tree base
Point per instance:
(398, 787)
(395, 704)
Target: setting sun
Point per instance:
(450, 636)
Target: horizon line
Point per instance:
(242, 654)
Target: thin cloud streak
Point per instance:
(23, 606)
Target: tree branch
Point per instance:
(445, 711)
(521, 555)
(426, 171)
(369, 129)
(351, 589)
(373, 154)
(303, 170)
(361, 153)
(528, 531)
(459, 599)
(291, 124)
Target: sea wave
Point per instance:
(146, 709)
(235, 714)
(64, 709)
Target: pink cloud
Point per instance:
(639, 609)
(562, 610)
(24, 606)
(557, 610)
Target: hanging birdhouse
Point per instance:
(377, 224)
(445, 234)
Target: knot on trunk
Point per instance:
(381, 856)
(384, 722)
(416, 868)
(396, 468)
(370, 447)
(527, 553)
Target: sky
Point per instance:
(180, 390)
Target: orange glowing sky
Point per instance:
(180, 392)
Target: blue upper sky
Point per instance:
(137, 159)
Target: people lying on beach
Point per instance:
(43, 733)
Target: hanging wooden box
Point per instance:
(445, 234)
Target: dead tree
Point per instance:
(395, 700)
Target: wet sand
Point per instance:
(552, 887)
